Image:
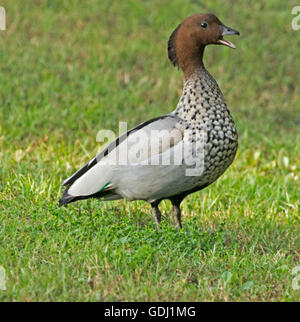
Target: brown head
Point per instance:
(187, 42)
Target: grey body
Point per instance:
(200, 108)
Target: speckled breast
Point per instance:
(221, 144)
(202, 107)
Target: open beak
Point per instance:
(227, 31)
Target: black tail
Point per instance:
(66, 198)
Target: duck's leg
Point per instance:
(176, 201)
(156, 213)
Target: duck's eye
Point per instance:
(204, 24)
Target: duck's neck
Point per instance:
(200, 93)
(190, 59)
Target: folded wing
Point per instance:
(146, 143)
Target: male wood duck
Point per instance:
(176, 154)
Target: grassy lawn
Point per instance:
(69, 69)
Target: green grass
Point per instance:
(71, 68)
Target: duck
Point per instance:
(176, 154)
